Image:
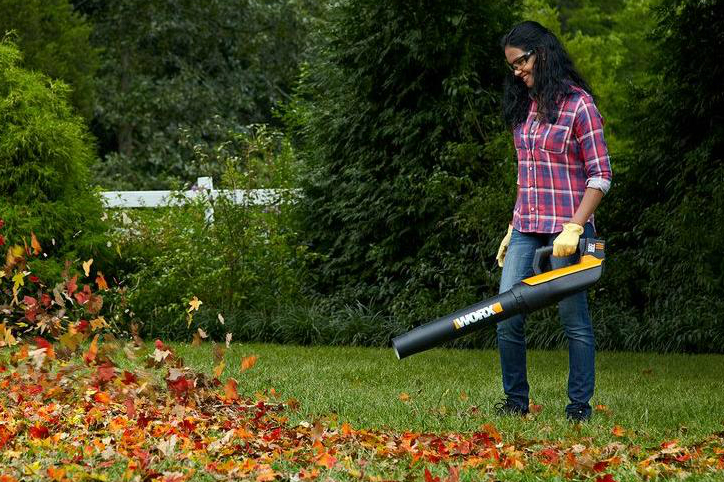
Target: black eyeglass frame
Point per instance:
(526, 55)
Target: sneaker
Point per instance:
(508, 407)
(578, 415)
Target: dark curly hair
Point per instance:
(553, 72)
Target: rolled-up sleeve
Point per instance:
(588, 129)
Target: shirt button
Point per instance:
(530, 168)
(532, 209)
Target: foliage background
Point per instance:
(386, 115)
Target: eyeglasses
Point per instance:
(520, 61)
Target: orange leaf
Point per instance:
(326, 460)
(305, 474)
(492, 432)
(102, 397)
(404, 397)
(265, 473)
(56, 474)
(248, 362)
(101, 282)
(92, 352)
(230, 389)
(35, 244)
(618, 431)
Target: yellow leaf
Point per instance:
(15, 253)
(219, 369)
(194, 304)
(6, 336)
(70, 340)
(35, 244)
(19, 279)
(404, 397)
(86, 266)
(31, 469)
(98, 323)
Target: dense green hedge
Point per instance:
(45, 155)
(408, 172)
(410, 180)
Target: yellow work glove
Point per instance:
(566, 243)
(504, 246)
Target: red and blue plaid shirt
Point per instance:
(557, 162)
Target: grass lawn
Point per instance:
(656, 397)
(341, 413)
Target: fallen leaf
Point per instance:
(248, 362)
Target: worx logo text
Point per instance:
(477, 315)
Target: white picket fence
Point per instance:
(204, 187)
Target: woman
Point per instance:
(563, 172)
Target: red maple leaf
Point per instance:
(429, 477)
(39, 431)
(72, 285)
(105, 373)
(549, 455)
(179, 386)
(605, 478)
(129, 378)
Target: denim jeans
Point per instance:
(575, 318)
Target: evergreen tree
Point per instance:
(55, 40)
(410, 178)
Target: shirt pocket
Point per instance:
(556, 139)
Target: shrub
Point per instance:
(245, 260)
(45, 154)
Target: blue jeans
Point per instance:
(574, 316)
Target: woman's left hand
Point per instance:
(566, 243)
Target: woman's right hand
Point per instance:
(504, 246)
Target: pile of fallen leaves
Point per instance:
(78, 403)
(65, 417)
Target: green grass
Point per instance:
(654, 397)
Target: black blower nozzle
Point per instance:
(542, 289)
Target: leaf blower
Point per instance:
(542, 289)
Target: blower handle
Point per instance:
(543, 255)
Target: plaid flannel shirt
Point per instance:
(557, 162)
